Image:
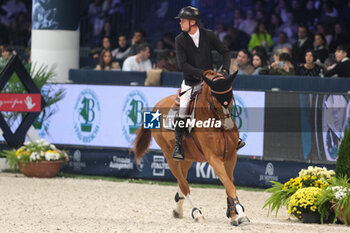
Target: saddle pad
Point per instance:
(174, 112)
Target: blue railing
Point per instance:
(242, 82)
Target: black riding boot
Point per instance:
(241, 143)
(179, 153)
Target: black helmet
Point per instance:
(189, 12)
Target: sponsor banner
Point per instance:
(20, 102)
(109, 116)
(248, 172)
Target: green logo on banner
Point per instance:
(42, 123)
(240, 116)
(132, 114)
(87, 116)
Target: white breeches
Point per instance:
(186, 97)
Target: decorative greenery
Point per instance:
(343, 162)
(41, 76)
(338, 194)
(37, 151)
(281, 193)
(304, 201)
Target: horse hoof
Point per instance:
(239, 221)
(243, 220)
(176, 214)
(200, 219)
(235, 222)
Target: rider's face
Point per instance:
(185, 24)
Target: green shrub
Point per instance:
(343, 162)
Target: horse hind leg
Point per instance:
(179, 199)
(183, 193)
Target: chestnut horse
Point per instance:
(218, 145)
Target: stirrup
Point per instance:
(241, 144)
(178, 156)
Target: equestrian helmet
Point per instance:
(189, 12)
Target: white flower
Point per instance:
(27, 143)
(52, 147)
(52, 156)
(339, 192)
(34, 156)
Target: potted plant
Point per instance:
(310, 177)
(336, 197)
(303, 205)
(37, 159)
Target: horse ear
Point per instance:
(207, 81)
(232, 77)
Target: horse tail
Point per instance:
(142, 142)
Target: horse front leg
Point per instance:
(235, 210)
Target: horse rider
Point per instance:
(193, 48)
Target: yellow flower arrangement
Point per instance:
(304, 201)
(314, 177)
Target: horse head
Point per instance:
(220, 88)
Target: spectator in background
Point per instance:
(273, 26)
(260, 64)
(12, 9)
(237, 18)
(6, 54)
(260, 16)
(140, 61)
(167, 42)
(249, 24)
(96, 17)
(282, 42)
(284, 66)
(340, 37)
(322, 29)
(106, 45)
(242, 63)
(311, 12)
(166, 60)
(107, 30)
(106, 61)
(235, 39)
(298, 10)
(261, 50)
(260, 38)
(220, 31)
(276, 58)
(329, 10)
(123, 50)
(342, 68)
(289, 27)
(304, 43)
(138, 38)
(310, 68)
(320, 48)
